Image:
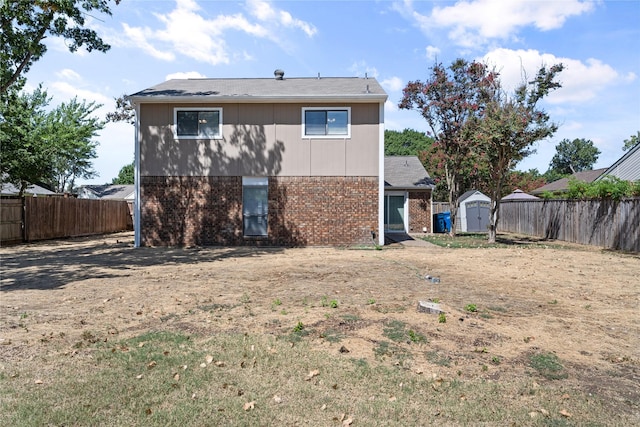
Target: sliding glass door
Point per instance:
(394, 212)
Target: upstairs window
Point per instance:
(326, 122)
(198, 123)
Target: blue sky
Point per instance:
(393, 41)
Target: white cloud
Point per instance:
(115, 149)
(186, 31)
(360, 68)
(138, 37)
(474, 23)
(392, 84)
(186, 75)
(581, 81)
(264, 11)
(390, 107)
(64, 91)
(432, 52)
(68, 74)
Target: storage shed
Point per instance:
(473, 213)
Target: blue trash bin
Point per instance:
(442, 222)
(446, 217)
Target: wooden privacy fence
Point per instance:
(440, 207)
(607, 223)
(11, 220)
(40, 218)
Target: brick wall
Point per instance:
(187, 211)
(419, 211)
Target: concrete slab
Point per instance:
(407, 240)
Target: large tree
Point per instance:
(72, 128)
(508, 128)
(631, 142)
(525, 181)
(126, 175)
(448, 100)
(26, 23)
(124, 111)
(574, 156)
(25, 152)
(51, 147)
(409, 142)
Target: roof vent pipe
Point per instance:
(279, 74)
(367, 91)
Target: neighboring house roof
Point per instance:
(518, 194)
(407, 173)
(114, 192)
(627, 167)
(353, 89)
(8, 189)
(562, 184)
(470, 193)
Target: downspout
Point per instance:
(431, 210)
(381, 177)
(136, 177)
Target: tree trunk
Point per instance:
(494, 214)
(494, 211)
(452, 183)
(23, 188)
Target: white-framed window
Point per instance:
(326, 122)
(197, 123)
(255, 206)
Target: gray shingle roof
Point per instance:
(107, 191)
(8, 189)
(347, 88)
(562, 184)
(406, 172)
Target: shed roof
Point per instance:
(406, 172)
(470, 193)
(562, 184)
(264, 90)
(518, 194)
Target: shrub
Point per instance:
(609, 188)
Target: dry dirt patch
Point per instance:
(579, 304)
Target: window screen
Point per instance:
(326, 122)
(198, 124)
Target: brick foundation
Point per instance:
(207, 211)
(419, 211)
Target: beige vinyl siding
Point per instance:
(258, 140)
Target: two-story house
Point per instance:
(274, 161)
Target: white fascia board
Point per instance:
(136, 181)
(381, 175)
(256, 99)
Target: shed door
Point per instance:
(477, 216)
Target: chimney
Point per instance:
(279, 74)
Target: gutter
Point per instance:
(195, 99)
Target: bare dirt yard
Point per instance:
(559, 316)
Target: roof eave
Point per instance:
(194, 99)
(404, 187)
